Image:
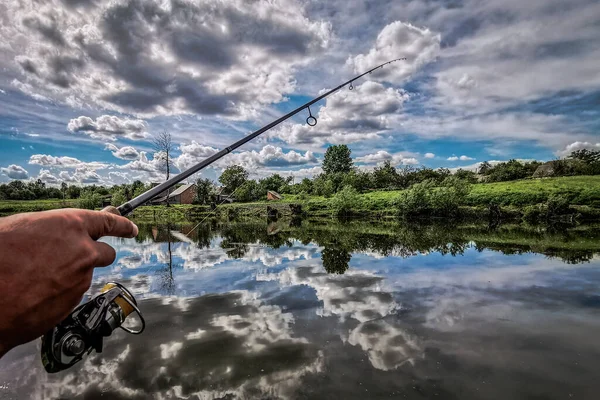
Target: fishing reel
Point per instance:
(84, 329)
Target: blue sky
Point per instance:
(85, 85)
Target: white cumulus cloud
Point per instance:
(461, 158)
(46, 160)
(15, 172)
(397, 40)
(124, 153)
(109, 127)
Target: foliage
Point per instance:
(204, 191)
(345, 202)
(90, 201)
(118, 198)
(337, 159)
(359, 180)
(511, 170)
(468, 176)
(386, 176)
(335, 260)
(484, 168)
(249, 191)
(233, 177)
(427, 198)
(274, 182)
(587, 156)
(32, 190)
(556, 206)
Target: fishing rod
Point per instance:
(85, 328)
(127, 208)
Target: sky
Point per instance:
(86, 84)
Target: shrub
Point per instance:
(90, 201)
(535, 213)
(428, 199)
(303, 196)
(557, 205)
(118, 198)
(345, 202)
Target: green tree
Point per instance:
(359, 180)
(385, 176)
(585, 155)
(63, 189)
(233, 177)
(249, 191)
(337, 159)
(273, 182)
(465, 175)
(306, 186)
(484, 168)
(204, 190)
(73, 192)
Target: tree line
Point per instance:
(339, 172)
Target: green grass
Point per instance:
(580, 190)
(8, 207)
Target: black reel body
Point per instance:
(85, 328)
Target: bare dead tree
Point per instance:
(163, 147)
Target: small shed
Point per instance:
(182, 195)
(545, 170)
(272, 195)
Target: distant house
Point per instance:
(272, 195)
(162, 196)
(182, 195)
(222, 197)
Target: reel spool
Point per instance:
(84, 329)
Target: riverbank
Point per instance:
(511, 201)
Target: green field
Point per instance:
(8, 207)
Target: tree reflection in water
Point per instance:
(339, 240)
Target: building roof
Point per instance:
(274, 194)
(181, 189)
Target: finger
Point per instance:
(106, 254)
(100, 224)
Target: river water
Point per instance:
(321, 310)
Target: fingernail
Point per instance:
(135, 229)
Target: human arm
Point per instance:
(46, 265)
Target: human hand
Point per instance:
(46, 264)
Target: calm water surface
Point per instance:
(351, 311)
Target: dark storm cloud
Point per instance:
(48, 30)
(151, 57)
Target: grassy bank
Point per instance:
(8, 207)
(514, 198)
